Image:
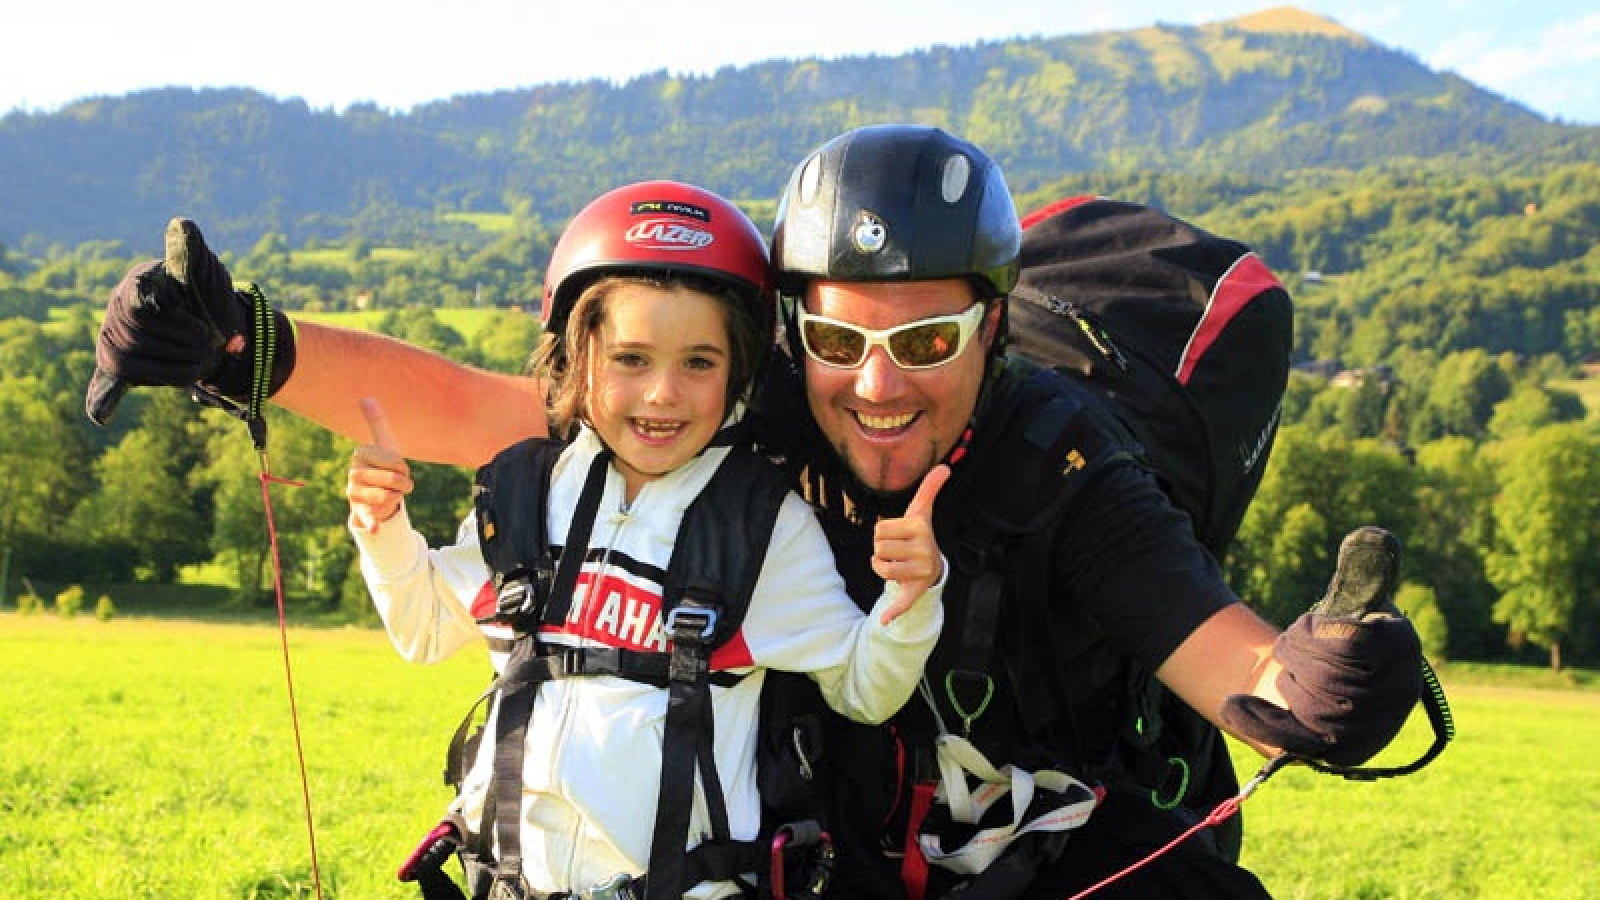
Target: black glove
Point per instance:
(179, 322)
(432, 852)
(1352, 664)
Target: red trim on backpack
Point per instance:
(1039, 215)
(1246, 279)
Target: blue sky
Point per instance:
(331, 53)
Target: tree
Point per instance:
(42, 459)
(143, 505)
(308, 516)
(1532, 405)
(1356, 410)
(1455, 494)
(1317, 487)
(506, 341)
(143, 508)
(238, 534)
(1422, 608)
(420, 325)
(1463, 394)
(1298, 561)
(1547, 557)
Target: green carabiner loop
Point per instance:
(955, 703)
(1182, 766)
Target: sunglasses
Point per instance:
(923, 344)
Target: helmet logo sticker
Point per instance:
(669, 208)
(665, 234)
(870, 234)
(953, 182)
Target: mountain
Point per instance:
(1271, 95)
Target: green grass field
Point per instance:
(466, 321)
(143, 758)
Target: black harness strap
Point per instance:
(516, 694)
(643, 667)
(685, 746)
(1053, 446)
(721, 547)
(436, 885)
(968, 686)
(509, 499)
(559, 603)
(717, 557)
(1051, 455)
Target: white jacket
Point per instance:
(592, 763)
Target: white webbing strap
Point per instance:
(1057, 801)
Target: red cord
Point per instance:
(288, 673)
(1219, 815)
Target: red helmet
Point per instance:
(658, 226)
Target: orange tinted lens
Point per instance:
(834, 344)
(921, 346)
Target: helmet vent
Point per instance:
(810, 180)
(957, 174)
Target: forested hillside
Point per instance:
(1263, 96)
(1442, 247)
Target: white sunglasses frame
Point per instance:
(968, 321)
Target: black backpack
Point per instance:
(716, 559)
(1187, 336)
(1186, 333)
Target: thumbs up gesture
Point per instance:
(379, 477)
(904, 550)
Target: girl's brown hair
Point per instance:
(562, 358)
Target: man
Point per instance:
(896, 247)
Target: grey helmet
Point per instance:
(897, 203)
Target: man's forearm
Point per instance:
(440, 410)
(1230, 653)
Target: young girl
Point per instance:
(658, 312)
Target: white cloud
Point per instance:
(1482, 56)
(1549, 70)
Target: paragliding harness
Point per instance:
(1187, 336)
(992, 827)
(1182, 340)
(716, 558)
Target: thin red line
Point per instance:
(1219, 815)
(288, 671)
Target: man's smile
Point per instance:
(872, 422)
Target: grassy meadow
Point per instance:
(467, 321)
(144, 758)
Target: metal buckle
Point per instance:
(572, 661)
(518, 603)
(509, 887)
(708, 615)
(617, 887)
